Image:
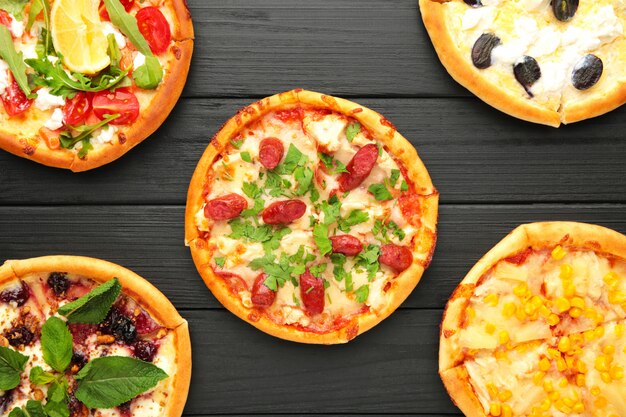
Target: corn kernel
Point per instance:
(507, 411)
(544, 311)
(558, 253)
(505, 395)
(619, 330)
(503, 337)
(606, 377)
(508, 310)
(492, 390)
(595, 391)
(563, 382)
(617, 297)
(490, 328)
(564, 344)
(566, 271)
(616, 372)
(544, 364)
(492, 300)
(562, 407)
(495, 409)
(580, 380)
(568, 402)
(578, 302)
(608, 349)
(602, 363)
(554, 353)
(471, 313)
(555, 395)
(569, 290)
(569, 360)
(562, 305)
(575, 312)
(548, 386)
(581, 367)
(578, 408)
(561, 365)
(611, 279)
(598, 331)
(600, 402)
(538, 377)
(520, 290)
(520, 314)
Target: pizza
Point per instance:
(536, 328)
(83, 337)
(548, 62)
(84, 81)
(311, 217)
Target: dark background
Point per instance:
(494, 172)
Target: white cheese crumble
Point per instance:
(139, 60)
(4, 76)
(46, 101)
(55, 121)
(104, 135)
(109, 29)
(477, 17)
(328, 132)
(29, 52)
(17, 27)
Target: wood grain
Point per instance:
(474, 153)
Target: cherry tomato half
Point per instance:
(104, 14)
(76, 110)
(5, 18)
(154, 27)
(14, 100)
(121, 101)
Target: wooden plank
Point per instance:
(149, 240)
(391, 369)
(475, 154)
(347, 47)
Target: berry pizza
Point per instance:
(536, 328)
(548, 62)
(311, 217)
(84, 81)
(83, 337)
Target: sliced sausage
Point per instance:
(346, 244)
(397, 257)
(225, 207)
(312, 293)
(262, 296)
(359, 167)
(283, 212)
(271, 152)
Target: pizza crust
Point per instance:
(463, 71)
(136, 287)
(381, 128)
(533, 235)
(150, 118)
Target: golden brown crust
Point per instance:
(148, 296)
(461, 69)
(381, 128)
(149, 120)
(533, 235)
(593, 106)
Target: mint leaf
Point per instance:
(15, 7)
(320, 236)
(56, 344)
(293, 159)
(395, 175)
(110, 381)
(380, 192)
(17, 412)
(352, 130)
(15, 60)
(40, 377)
(362, 293)
(11, 366)
(93, 307)
(219, 262)
(404, 186)
(57, 400)
(246, 156)
(149, 75)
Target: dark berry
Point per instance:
(125, 409)
(77, 409)
(145, 350)
(5, 401)
(18, 294)
(19, 336)
(120, 326)
(58, 282)
(79, 360)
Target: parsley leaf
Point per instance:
(368, 260)
(317, 270)
(304, 176)
(56, 344)
(274, 185)
(57, 399)
(381, 231)
(331, 209)
(380, 192)
(246, 230)
(219, 261)
(258, 207)
(293, 159)
(246, 156)
(11, 366)
(274, 241)
(395, 175)
(277, 272)
(94, 306)
(404, 186)
(251, 190)
(15, 60)
(320, 235)
(362, 293)
(354, 217)
(334, 166)
(352, 130)
(237, 143)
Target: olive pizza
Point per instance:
(311, 217)
(84, 81)
(548, 62)
(536, 328)
(83, 337)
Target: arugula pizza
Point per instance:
(84, 81)
(311, 217)
(548, 62)
(83, 337)
(536, 328)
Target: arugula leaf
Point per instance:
(40, 377)
(150, 73)
(57, 400)
(11, 366)
(110, 381)
(93, 307)
(320, 236)
(395, 175)
(15, 7)
(36, 7)
(354, 217)
(68, 141)
(15, 61)
(85, 148)
(219, 261)
(304, 176)
(404, 186)
(362, 293)
(246, 156)
(293, 159)
(352, 130)
(380, 192)
(56, 344)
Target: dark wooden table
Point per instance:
(494, 172)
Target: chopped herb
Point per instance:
(326, 159)
(326, 284)
(355, 217)
(395, 175)
(331, 210)
(312, 220)
(274, 241)
(320, 235)
(348, 279)
(246, 156)
(293, 159)
(295, 299)
(362, 293)
(251, 190)
(352, 130)
(334, 166)
(277, 272)
(237, 143)
(368, 260)
(258, 207)
(246, 230)
(84, 132)
(404, 186)
(340, 167)
(380, 149)
(304, 177)
(311, 288)
(380, 192)
(381, 231)
(220, 261)
(317, 270)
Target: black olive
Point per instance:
(481, 51)
(473, 3)
(564, 10)
(527, 72)
(587, 72)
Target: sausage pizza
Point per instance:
(83, 337)
(311, 217)
(548, 62)
(84, 81)
(537, 326)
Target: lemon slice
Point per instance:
(77, 34)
